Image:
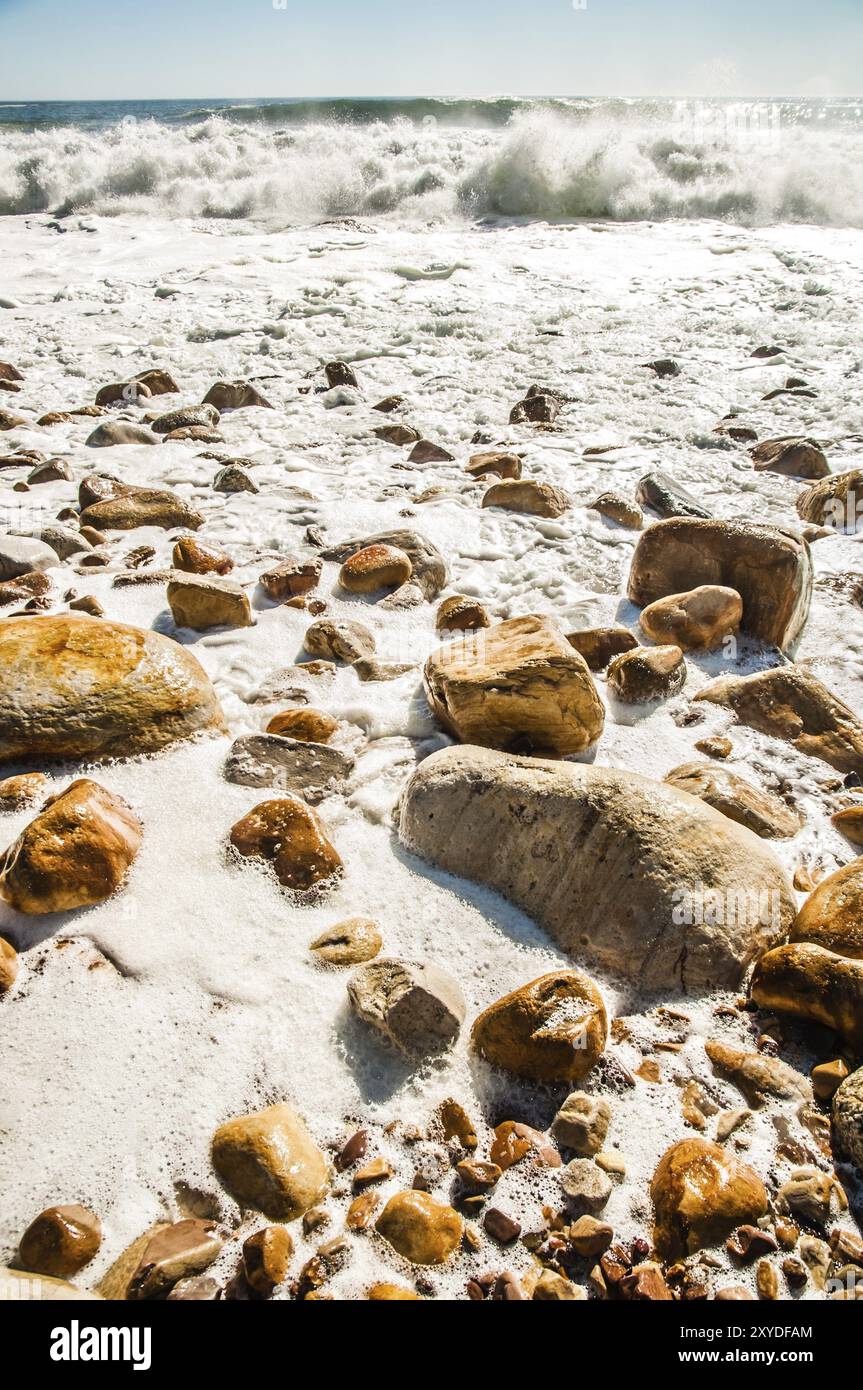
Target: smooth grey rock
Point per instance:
(112, 432)
(63, 539)
(662, 494)
(310, 770)
(586, 1187)
(21, 554)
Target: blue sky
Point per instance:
(110, 49)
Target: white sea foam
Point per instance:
(544, 163)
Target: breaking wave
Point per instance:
(300, 162)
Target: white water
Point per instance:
(544, 163)
(204, 1002)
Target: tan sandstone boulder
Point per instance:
(768, 566)
(794, 455)
(788, 702)
(625, 873)
(552, 1029)
(269, 1161)
(516, 685)
(73, 688)
(76, 852)
(700, 1193)
(201, 602)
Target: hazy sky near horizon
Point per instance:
(111, 49)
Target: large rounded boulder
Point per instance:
(74, 688)
(625, 873)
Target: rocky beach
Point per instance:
(431, 658)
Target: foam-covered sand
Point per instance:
(135, 1028)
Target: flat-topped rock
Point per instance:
(516, 685)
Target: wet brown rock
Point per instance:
(389, 404)
(60, 1241)
(527, 495)
(762, 813)
(647, 673)
(307, 725)
(552, 1029)
(361, 1212)
(174, 1252)
(646, 1284)
(231, 479)
(339, 640)
(759, 1076)
(194, 557)
(87, 603)
(695, 621)
(768, 566)
(76, 852)
(287, 834)
(392, 1293)
(477, 1177)
(144, 507)
(200, 602)
(700, 1194)
(599, 644)
(291, 579)
(268, 1160)
(158, 382)
(430, 573)
(8, 965)
(793, 455)
(788, 702)
(424, 451)
(72, 688)
(340, 374)
(235, 395)
(374, 568)
(17, 793)
(556, 1288)
(537, 407)
(420, 1229)
(10, 421)
(827, 1077)
(458, 614)
(608, 862)
(813, 984)
(376, 1170)
(266, 1256)
(351, 942)
(495, 462)
(455, 1123)
(832, 915)
(400, 435)
(849, 822)
(715, 747)
(590, 1237)
(122, 393)
(513, 1142)
(8, 372)
(619, 509)
(516, 684)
